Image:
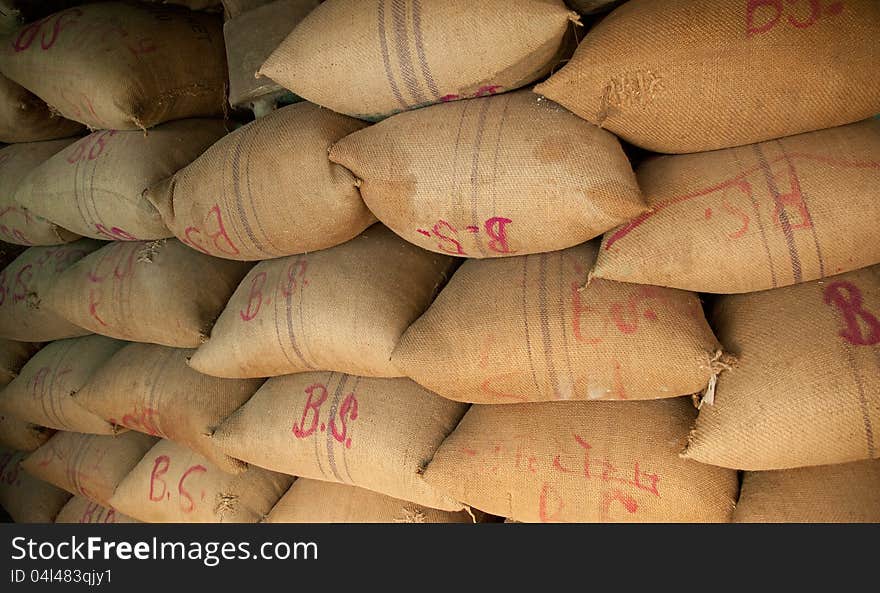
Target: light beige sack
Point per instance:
(696, 75)
(99, 64)
(24, 285)
(528, 329)
(755, 217)
(378, 434)
(373, 59)
(160, 292)
(82, 510)
(25, 498)
(43, 392)
(593, 6)
(13, 355)
(24, 117)
(86, 464)
(845, 493)
(582, 462)
(806, 390)
(267, 189)
(18, 224)
(172, 484)
(95, 187)
(492, 177)
(341, 309)
(151, 389)
(316, 501)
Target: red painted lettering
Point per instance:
(190, 504)
(862, 326)
(348, 410)
(313, 403)
(453, 247)
(255, 298)
(160, 468)
(215, 230)
(496, 229)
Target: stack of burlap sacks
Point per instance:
(432, 291)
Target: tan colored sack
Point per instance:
(233, 8)
(593, 6)
(582, 462)
(24, 117)
(341, 309)
(315, 501)
(172, 484)
(151, 389)
(527, 329)
(20, 435)
(696, 75)
(43, 391)
(250, 38)
(161, 292)
(378, 434)
(95, 187)
(806, 390)
(755, 217)
(492, 177)
(845, 493)
(82, 510)
(267, 189)
(13, 355)
(86, 464)
(99, 64)
(24, 284)
(17, 224)
(374, 59)
(25, 498)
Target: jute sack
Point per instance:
(25, 498)
(21, 435)
(24, 284)
(492, 177)
(695, 75)
(82, 510)
(316, 501)
(172, 484)
(755, 217)
(86, 464)
(267, 189)
(233, 8)
(341, 309)
(527, 329)
(24, 117)
(17, 224)
(160, 292)
(582, 462)
(377, 434)
(806, 390)
(13, 355)
(43, 391)
(95, 187)
(592, 6)
(844, 493)
(373, 59)
(98, 64)
(151, 389)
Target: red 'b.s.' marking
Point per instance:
(160, 468)
(215, 230)
(189, 505)
(452, 246)
(862, 326)
(48, 37)
(255, 298)
(295, 273)
(764, 15)
(313, 404)
(496, 229)
(22, 283)
(90, 147)
(348, 410)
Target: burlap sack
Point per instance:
(82, 510)
(172, 484)
(25, 498)
(160, 292)
(20, 435)
(18, 224)
(24, 284)
(806, 390)
(696, 75)
(13, 355)
(316, 501)
(593, 6)
(245, 199)
(151, 389)
(233, 8)
(378, 434)
(43, 391)
(95, 187)
(582, 462)
(373, 59)
(86, 464)
(527, 329)
(99, 64)
(845, 493)
(492, 177)
(341, 309)
(24, 117)
(250, 38)
(755, 217)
